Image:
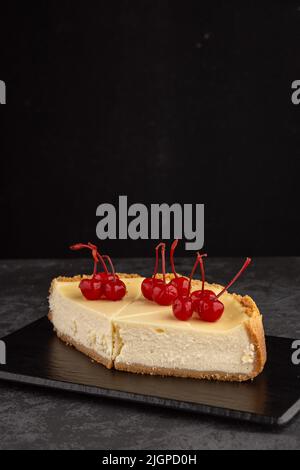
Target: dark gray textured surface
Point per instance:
(37, 418)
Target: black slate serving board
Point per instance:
(36, 356)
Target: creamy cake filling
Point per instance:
(169, 348)
(88, 322)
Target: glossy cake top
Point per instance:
(237, 308)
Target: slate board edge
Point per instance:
(146, 399)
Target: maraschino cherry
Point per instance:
(114, 288)
(202, 294)
(180, 282)
(164, 293)
(209, 307)
(105, 277)
(104, 284)
(92, 288)
(183, 308)
(183, 305)
(149, 282)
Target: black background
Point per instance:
(161, 101)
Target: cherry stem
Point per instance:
(245, 265)
(79, 246)
(202, 269)
(173, 248)
(198, 260)
(111, 265)
(163, 261)
(93, 248)
(156, 259)
(95, 256)
(99, 256)
(95, 253)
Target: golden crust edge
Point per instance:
(256, 334)
(182, 373)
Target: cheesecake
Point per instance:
(136, 335)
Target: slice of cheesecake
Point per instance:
(86, 324)
(137, 335)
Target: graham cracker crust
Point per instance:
(183, 373)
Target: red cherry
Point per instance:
(147, 286)
(164, 294)
(105, 277)
(183, 308)
(181, 283)
(210, 310)
(198, 296)
(115, 289)
(183, 305)
(149, 282)
(204, 299)
(209, 307)
(102, 277)
(91, 289)
(208, 295)
(203, 296)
